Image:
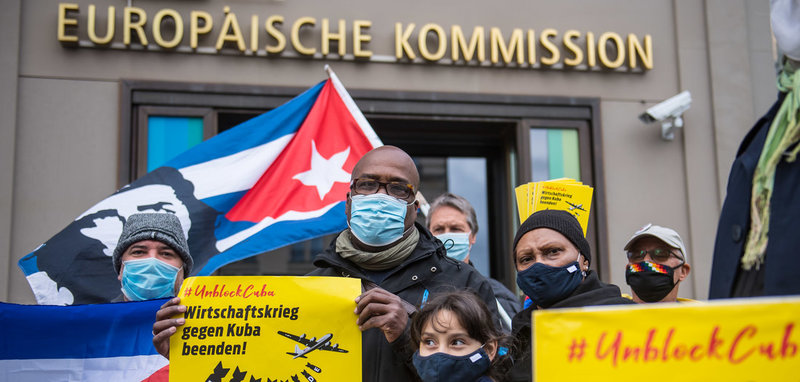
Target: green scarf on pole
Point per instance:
(783, 133)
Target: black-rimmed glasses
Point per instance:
(366, 186)
(659, 255)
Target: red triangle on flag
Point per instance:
(328, 138)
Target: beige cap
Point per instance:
(667, 235)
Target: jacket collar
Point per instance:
(427, 246)
(591, 291)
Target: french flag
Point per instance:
(275, 180)
(101, 342)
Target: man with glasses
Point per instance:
(656, 264)
(398, 261)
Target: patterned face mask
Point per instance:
(650, 281)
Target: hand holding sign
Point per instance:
(378, 308)
(166, 325)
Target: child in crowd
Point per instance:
(457, 340)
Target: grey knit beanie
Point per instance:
(561, 221)
(164, 227)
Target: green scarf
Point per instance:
(783, 133)
(377, 261)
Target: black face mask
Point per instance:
(445, 367)
(650, 281)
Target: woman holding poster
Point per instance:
(552, 259)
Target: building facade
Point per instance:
(485, 96)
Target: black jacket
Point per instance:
(590, 292)
(427, 268)
(779, 272)
(507, 299)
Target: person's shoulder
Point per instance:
(452, 273)
(455, 268)
(522, 319)
(760, 127)
(501, 290)
(319, 272)
(594, 292)
(629, 297)
(619, 300)
(330, 264)
(327, 262)
(434, 258)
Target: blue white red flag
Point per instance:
(101, 342)
(274, 180)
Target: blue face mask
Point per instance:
(377, 219)
(547, 285)
(445, 367)
(456, 244)
(148, 279)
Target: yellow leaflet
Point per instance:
(534, 187)
(277, 328)
(522, 201)
(558, 194)
(575, 199)
(529, 199)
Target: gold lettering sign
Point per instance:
(225, 32)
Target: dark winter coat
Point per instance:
(426, 269)
(590, 292)
(507, 299)
(778, 275)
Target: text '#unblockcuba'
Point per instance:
(732, 346)
(226, 291)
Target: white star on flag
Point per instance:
(325, 172)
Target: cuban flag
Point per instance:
(274, 180)
(101, 342)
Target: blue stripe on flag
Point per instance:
(224, 202)
(278, 235)
(254, 132)
(79, 331)
(28, 264)
(224, 227)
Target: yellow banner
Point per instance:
(247, 328)
(733, 340)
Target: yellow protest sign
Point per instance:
(734, 340)
(556, 194)
(248, 328)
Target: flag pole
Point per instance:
(353, 108)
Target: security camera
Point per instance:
(669, 112)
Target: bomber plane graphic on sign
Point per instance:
(573, 206)
(312, 344)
